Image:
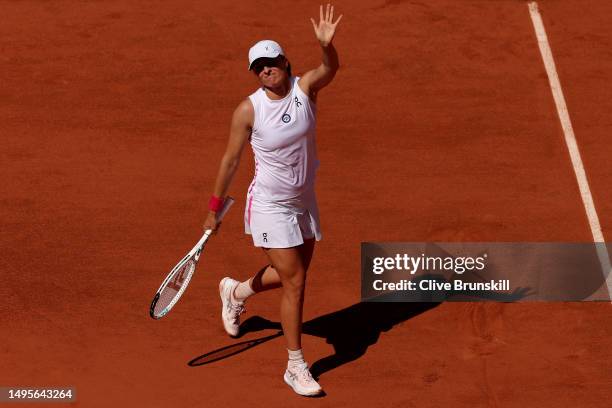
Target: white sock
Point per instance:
(296, 357)
(242, 291)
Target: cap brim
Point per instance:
(263, 56)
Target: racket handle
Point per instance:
(227, 203)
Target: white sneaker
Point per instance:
(230, 311)
(300, 379)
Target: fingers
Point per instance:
(329, 14)
(211, 223)
(338, 20)
(326, 20)
(213, 228)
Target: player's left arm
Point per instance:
(315, 80)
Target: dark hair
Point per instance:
(288, 66)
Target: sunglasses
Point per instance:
(260, 63)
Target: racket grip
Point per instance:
(227, 203)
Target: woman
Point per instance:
(281, 212)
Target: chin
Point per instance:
(275, 82)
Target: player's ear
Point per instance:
(288, 67)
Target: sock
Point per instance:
(242, 291)
(296, 357)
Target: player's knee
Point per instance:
(294, 287)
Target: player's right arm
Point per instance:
(240, 131)
(316, 79)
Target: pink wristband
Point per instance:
(215, 203)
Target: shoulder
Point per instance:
(302, 82)
(303, 85)
(244, 112)
(245, 106)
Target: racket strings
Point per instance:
(174, 288)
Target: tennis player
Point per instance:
(281, 211)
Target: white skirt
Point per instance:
(282, 224)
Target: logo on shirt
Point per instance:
(297, 102)
(265, 237)
(286, 118)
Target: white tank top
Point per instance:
(283, 141)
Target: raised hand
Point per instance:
(326, 28)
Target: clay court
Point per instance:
(440, 126)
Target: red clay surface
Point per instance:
(440, 126)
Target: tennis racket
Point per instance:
(177, 280)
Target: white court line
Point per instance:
(572, 146)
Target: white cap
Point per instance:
(264, 49)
